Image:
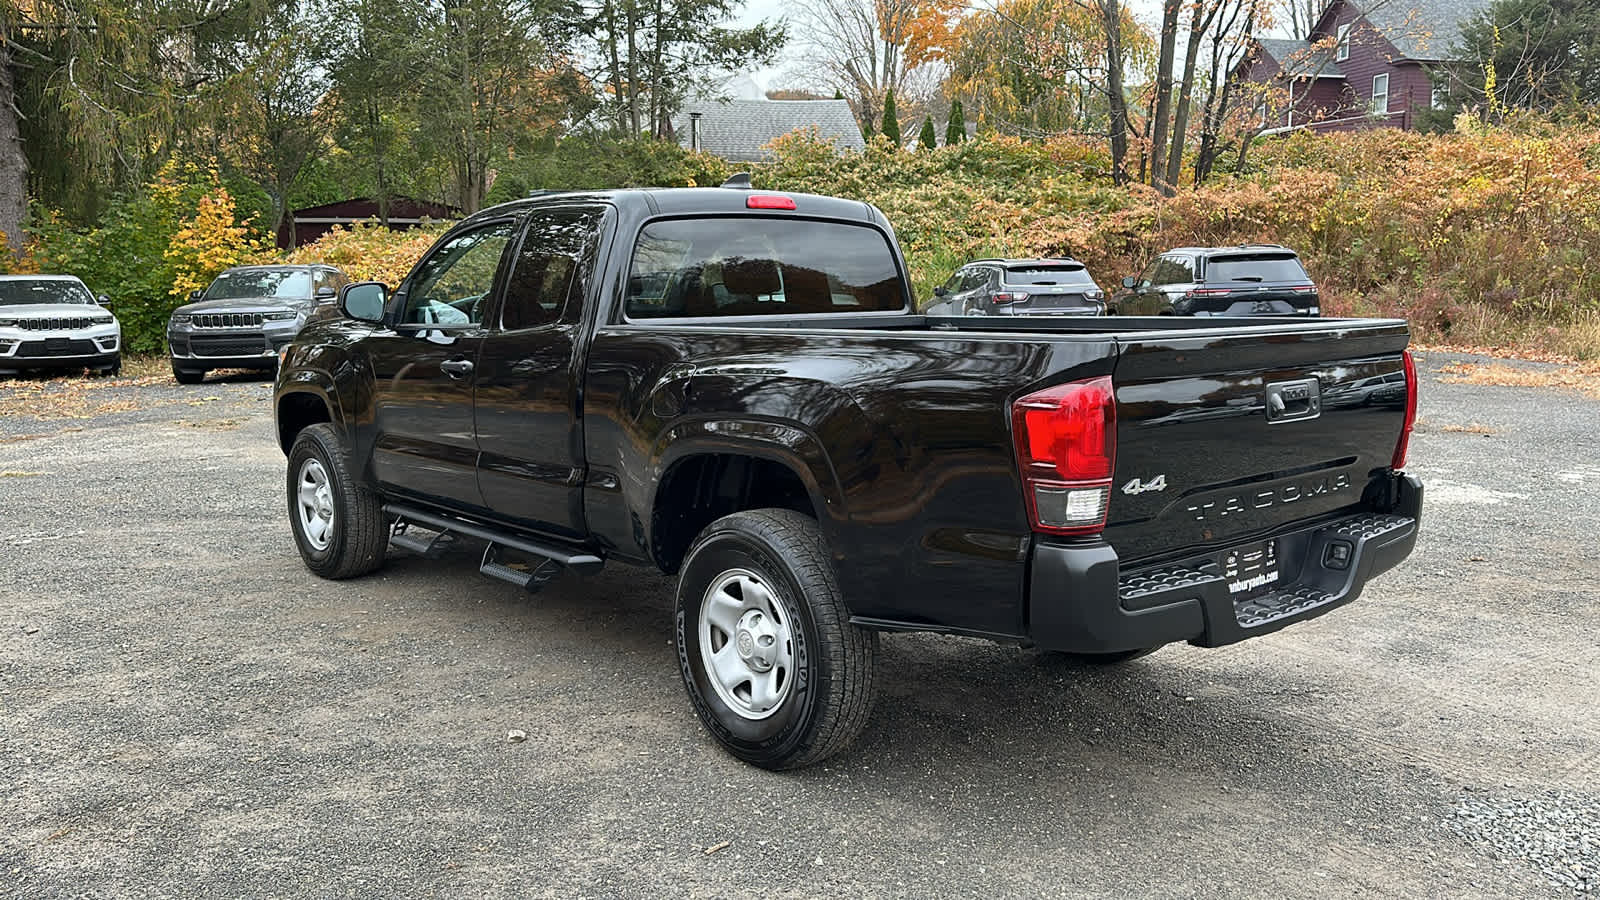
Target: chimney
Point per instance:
(694, 131)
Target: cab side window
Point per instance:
(550, 276)
(452, 286)
(977, 279)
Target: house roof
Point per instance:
(736, 130)
(1300, 58)
(1419, 29)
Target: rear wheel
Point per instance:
(339, 525)
(188, 376)
(973, 308)
(771, 663)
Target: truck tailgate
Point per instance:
(1225, 438)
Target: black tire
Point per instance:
(973, 308)
(829, 693)
(112, 370)
(188, 376)
(357, 532)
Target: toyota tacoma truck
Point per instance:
(733, 386)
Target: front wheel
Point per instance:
(188, 376)
(771, 663)
(338, 523)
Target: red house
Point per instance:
(1365, 64)
(302, 226)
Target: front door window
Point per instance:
(452, 286)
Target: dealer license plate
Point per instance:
(1251, 569)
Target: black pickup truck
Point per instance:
(733, 385)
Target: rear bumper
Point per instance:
(1080, 600)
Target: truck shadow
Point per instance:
(971, 709)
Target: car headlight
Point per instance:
(280, 316)
(7, 322)
(180, 320)
(102, 320)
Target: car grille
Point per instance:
(53, 324)
(227, 320)
(240, 345)
(57, 347)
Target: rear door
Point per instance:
(422, 369)
(529, 374)
(1226, 437)
(1052, 288)
(1257, 283)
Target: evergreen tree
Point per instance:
(891, 123)
(838, 94)
(955, 130)
(927, 137)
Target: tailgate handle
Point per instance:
(1293, 401)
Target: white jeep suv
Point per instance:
(53, 322)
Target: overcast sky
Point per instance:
(787, 73)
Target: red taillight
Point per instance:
(1008, 296)
(1066, 442)
(1303, 288)
(1404, 444)
(1206, 292)
(768, 201)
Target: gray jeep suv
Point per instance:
(246, 316)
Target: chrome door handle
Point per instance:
(456, 368)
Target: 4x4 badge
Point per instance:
(1158, 483)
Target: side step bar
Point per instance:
(554, 558)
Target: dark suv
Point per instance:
(1019, 287)
(1247, 280)
(246, 316)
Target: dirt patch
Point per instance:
(1583, 377)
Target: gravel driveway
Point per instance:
(184, 710)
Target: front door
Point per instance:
(423, 370)
(529, 376)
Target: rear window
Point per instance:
(749, 266)
(1048, 275)
(1261, 267)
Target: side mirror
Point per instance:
(103, 300)
(941, 291)
(325, 292)
(1128, 281)
(364, 300)
(194, 296)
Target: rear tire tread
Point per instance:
(850, 660)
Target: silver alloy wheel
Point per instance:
(314, 501)
(746, 644)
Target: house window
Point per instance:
(1341, 50)
(1380, 94)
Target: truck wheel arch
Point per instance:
(299, 409)
(699, 485)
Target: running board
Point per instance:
(582, 563)
(527, 579)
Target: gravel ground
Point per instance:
(184, 710)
